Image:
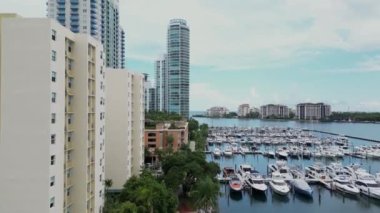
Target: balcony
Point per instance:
(67, 202)
(68, 146)
(69, 109)
(68, 164)
(68, 182)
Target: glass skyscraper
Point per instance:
(98, 18)
(178, 56)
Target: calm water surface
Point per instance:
(323, 200)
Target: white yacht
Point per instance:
(282, 153)
(244, 150)
(235, 148)
(244, 171)
(335, 169)
(280, 169)
(343, 183)
(367, 185)
(279, 186)
(217, 152)
(227, 151)
(256, 181)
(317, 172)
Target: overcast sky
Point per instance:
(259, 51)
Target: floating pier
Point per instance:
(348, 136)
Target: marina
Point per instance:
(304, 154)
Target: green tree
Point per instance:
(205, 194)
(146, 192)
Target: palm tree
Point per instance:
(108, 183)
(205, 194)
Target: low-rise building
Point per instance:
(274, 111)
(243, 110)
(173, 134)
(217, 111)
(313, 111)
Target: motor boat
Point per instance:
(306, 153)
(317, 172)
(227, 151)
(228, 171)
(335, 169)
(343, 183)
(244, 150)
(378, 177)
(302, 187)
(281, 169)
(270, 154)
(282, 153)
(235, 184)
(217, 152)
(294, 152)
(235, 148)
(279, 186)
(368, 186)
(256, 181)
(244, 171)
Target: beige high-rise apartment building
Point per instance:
(52, 118)
(243, 110)
(125, 125)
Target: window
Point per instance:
(52, 160)
(53, 97)
(53, 35)
(52, 202)
(52, 180)
(53, 55)
(53, 76)
(53, 118)
(52, 139)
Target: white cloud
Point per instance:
(368, 65)
(204, 96)
(247, 33)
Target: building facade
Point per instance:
(161, 83)
(313, 111)
(124, 129)
(274, 111)
(178, 50)
(98, 18)
(217, 111)
(158, 138)
(52, 139)
(243, 110)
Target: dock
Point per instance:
(347, 136)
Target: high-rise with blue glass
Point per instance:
(98, 18)
(178, 47)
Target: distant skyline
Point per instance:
(259, 52)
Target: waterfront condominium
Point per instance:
(52, 118)
(274, 110)
(178, 46)
(161, 83)
(98, 18)
(243, 110)
(125, 126)
(217, 111)
(313, 111)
